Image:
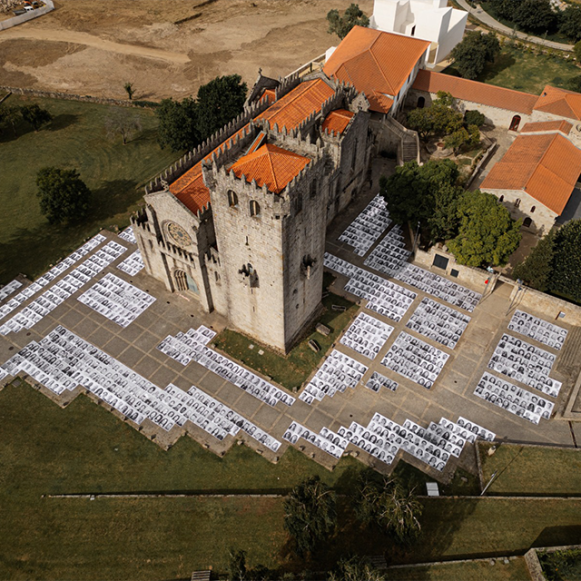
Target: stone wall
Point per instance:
(15, 20)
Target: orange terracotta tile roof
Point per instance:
(337, 120)
(475, 92)
(562, 126)
(546, 167)
(375, 62)
(270, 165)
(560, 102)
(289, 111)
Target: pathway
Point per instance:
(486, 19)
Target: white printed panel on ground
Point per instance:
(368, 226)
(526, 363)
(327, 440)
(62, 361)
(132, 264)
(542, 331)
(117, 300)
(383, 297)
(62, 290)
(191, 346)
(128, 235)
(338, 372)
(414, 359)
(8, 289)
(438, 322)
(376, 381)
(390, 255)
(49, 276)
(513, 399)
(366, 335)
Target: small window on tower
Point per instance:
(254, 209)
(298, 203)
(313, 189)
(232, 199)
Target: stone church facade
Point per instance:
(240, 222)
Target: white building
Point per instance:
(429, 20)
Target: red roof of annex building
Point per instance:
(376, 63)
(538, 126)
(289, 111)
(560, 102)
(337, 121)
(475, 92)
(270, 165)
(546, 167)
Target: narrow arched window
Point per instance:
(517, 203)
(232, 199)
(254, 208)
(501, 199)
(533, 209)
(313, 189)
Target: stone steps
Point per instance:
(571, 353)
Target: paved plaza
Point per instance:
(426, 366)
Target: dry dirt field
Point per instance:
(92, 47)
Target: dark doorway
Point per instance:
(440, 261)
(527, 222)
(421, 102)
(514, 123)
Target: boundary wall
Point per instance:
(20, 19)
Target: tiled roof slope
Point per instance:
(475, 92)
(289, 111)
(337, 120)
(545, 166)
(560, 102)
(270, 165)
(562, 126)
(377, 63)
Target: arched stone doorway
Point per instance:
(527, 222)
(514, 123)
(421, 102)
(184, 282)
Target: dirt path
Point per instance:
(83, 38)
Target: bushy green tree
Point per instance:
(355, 569)
(310, 515)
(219, 101)
(570, 22)
(342, 25)
(63, 196)
(536, 270)
(35, 115)
(487, 234)
(505, 8)
(574, 84)
(439, 119)
(535, 16)
(463, 137)
(177, 126)
(9, 117)
(566, 273)
(391, 506)
(474, 117)
(471, 55)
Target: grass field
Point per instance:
(514, 570)
(532, 470)
(292, 370)
(527, 72)
(76, 138)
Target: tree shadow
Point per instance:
(10, 133)
(112, 198)
(504, 61)
(62, 122)
(558, 536)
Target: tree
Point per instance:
(389, 505)
(535, 271)
(356, 569)
(237, 565)
(566, 272)
(474, 117)
(574, 84)
(63, 195)
(177, 127)
(535, 16)
(471, 55)
(342, 25)
(487, 234)
(310, 514)
(438, 119)
(129, 88)
(121, 122)
(35, 115)
(577, 51)
(9, 116)
(505, 8)
(427, 194)
(570, 22)
(219, 101)
(464, 137)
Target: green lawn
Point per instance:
(292, 370)
(514, 570)
(85, 449)
(527, 72)
(532, 470)
(76, 138)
